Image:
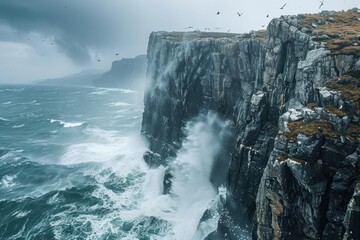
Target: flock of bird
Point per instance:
(218, 13)
(240, 14)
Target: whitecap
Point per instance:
(124, 90)
(18, 126)
(14, 89)
(102, 91)
(35, 102)
(119, 104)
(67, 124)
(8, 181)
(21, 214)
(7, 103)
(4, 119)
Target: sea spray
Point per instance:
(192, 192)
(191, 186)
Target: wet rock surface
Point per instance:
(293, 105)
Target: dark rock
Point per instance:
(153, 160)
(344, 81)
(352, 217)
(167, 182)
(333, 231)
(307, 149)
(332, 156)
(280, 184)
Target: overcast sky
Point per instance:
(49, 38)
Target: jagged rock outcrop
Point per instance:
(125, 73)
(293, 100)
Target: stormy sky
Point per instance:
(50, 38)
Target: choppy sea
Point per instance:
(71, 167)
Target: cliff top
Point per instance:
(181, 36)
(339, 30)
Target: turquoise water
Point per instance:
(70, 163)
(71, 167)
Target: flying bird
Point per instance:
(239, 14)
(283, 6)
(117, 54)
(217, 13)
(189, 27)
(98, 60)
(321, 4)
(228, 30)
(263, 26)
(267, 15)
(207, 29)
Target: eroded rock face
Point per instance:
(295, 154)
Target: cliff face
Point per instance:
(292, 96)
(125, 73)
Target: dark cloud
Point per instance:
(76, 27)
(40, 36)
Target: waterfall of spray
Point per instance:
(192, 193)
(191, 188)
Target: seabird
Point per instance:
(117, 54)
(263, 26)
(98, 60)
(267, 15)
(207, 29)
(321, 4)
(217, 13)
(239, 14)
(283, 6)
(228, 30)
(189, 27)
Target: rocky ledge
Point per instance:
(292, 94)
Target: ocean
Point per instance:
(71, 167)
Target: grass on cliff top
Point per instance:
(353, 132)
(334, 110)
(345, 23)
(310, 129)
(350, 91)
(262, 35)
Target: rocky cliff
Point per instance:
(292, 96)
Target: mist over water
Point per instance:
(71, 167)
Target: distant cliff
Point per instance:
(292, 95)
(125, 73)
